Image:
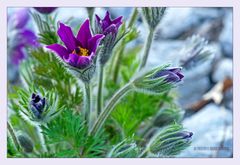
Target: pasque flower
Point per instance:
(171, 75)
(153, 15)
(167, 141)
(19, 36)
(79, 51)
(158, 80)
(109, 28)
(45, 10)
(37, 105)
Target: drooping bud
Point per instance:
(45, 10)
(37, 105)
(124, 150)
(158, 80)
(25, 142)
(169, 141)
(153, 15)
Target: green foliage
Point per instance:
(46, 28)
(68, 135)
(50, 73)
(11, 150)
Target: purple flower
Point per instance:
(20, 18)
(172, 75)
(78, 51)
(106, 25)
(37, 105)
(45, 10)
(19, 36)
(17, 55)
(109, 28)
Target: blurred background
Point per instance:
(206, 93)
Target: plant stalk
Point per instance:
(87, 104)
(109, 108)
(100, 86)
(147, 47)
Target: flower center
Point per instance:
(80, 51)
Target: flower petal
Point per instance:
(21, 18)
(94, 42)
(98, 19)
(107, 18)
(83, 62)
(71, 59)
(117, 21)
(59, 49)
(84, 34)
(28, 37)
(111, 29)
(66, 35)
(17, 56)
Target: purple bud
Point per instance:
(37, 105)
(103, 24)
(185, 135)
(45, 10)
(172, 75)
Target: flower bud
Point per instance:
(153, 15)
(25, 142)
(45, 10)
(169, 141)
(37, 105)
(109, 28)
(158, 80)
(124, 150)
(195, 52)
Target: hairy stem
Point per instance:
(133, 17)
(116, 65)
(147, 47)
(14, 137)
(87, 104)
(90, 11)
(42, 138)
(109, 108)
(100, 86)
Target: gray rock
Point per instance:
(179, 20)
(164, 52)
(210, 126)
(192, 90)
(224, 69)
(228, 99)
(226, 37)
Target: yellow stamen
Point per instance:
(83, 52)
(80, 51)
